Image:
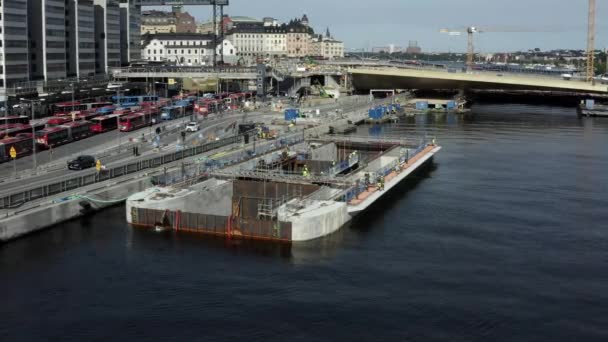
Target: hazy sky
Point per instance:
(365, 24)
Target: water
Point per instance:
(503, 238)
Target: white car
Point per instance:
(192, 127)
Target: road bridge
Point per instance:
(398, 78)
(236, 73)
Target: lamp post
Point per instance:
(118, 91)
(31, 102)
(72, 86)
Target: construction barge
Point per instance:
(298, 193)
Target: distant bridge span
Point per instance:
(373, 78)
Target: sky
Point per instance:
(361, 24)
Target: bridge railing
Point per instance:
(523, 74)
(180, 69)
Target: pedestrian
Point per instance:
(134, 151)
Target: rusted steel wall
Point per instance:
(271, 230)
(248, 195)
(213, 224)
(255, 189)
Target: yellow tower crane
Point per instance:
(591, 42)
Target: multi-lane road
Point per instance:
(105, 147)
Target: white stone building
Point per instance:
(185, 49)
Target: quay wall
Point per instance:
(67, 208)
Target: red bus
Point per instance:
(126, 111)
(87, 115)
(78, 129)
(23, 146)
(56, 121)
(14, 120)
(102, 124)
(65, 108)
(53, 136)
(12, 130)
(132, 122)
(202, 108)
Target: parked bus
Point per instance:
(132, 122)
(13, 130)
(202, 108)
(23, 146)
(87, 116)
(130, 101)
(53, 136)
(57, 120)
(66, 108)
(102, 124)
(106, 110)
(78, 129)
(186, 105)
(171, 113)
(14, 120)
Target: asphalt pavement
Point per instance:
(105, 147)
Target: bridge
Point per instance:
(236, 73)
(429, 79)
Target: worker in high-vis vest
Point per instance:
(305, 171)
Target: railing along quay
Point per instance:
(17, 198)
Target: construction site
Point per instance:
(299, 187)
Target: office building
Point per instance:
(80, 39)
(130, 33)
(14, 61)
(47, 33)
(107, 35)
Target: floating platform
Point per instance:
(297, 199)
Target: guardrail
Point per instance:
(210, 70)
(53, 188)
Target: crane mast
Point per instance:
(591, 42)
(470, 48)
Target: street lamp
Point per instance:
(31, 102)
(72, 86)
(118, 91)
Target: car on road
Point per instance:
(192, 127)
(81, 163)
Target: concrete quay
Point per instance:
(49, 211)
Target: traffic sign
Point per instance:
(13, 152)
(98, 165)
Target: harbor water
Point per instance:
(503, 238)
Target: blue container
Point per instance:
(376, 113)
(451, 105)
(291, 114)
(422, 105)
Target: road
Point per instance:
(104, 147)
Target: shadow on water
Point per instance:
(364, 222)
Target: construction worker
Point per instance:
(305, 171)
